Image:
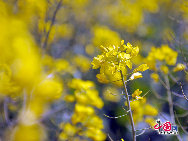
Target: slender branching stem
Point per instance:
(44, 46)
(129, 107)
(169, 99)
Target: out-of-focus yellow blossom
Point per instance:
(115, 59)
(104, 36)
(186, 77)
(48, 89)
(155, 77)
(111, 93)
(64, 31)
(141, 109)
(95, 134)
(47, 61)
(68, 131)
(179, 67)
(86, 98)
(136, 94)
(37, 106)
(77, 7)
(85, 93)
(22, 68)
(164, 53)
(151, 121)
(183, 8)
(82, 62)
(170, 55)
(7, 87)
(149, 110)
(160, 59)
(61, 65)
(33, 132)
(69, 98)
(164, 69)
(128, 15)
(136, 76)
(90, 49)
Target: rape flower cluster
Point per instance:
(115, 59)
(141, 110)
(84, 121)
(159, 60)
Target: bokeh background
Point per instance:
(47, 47)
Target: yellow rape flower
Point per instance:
(34, 132)
(155, 77)
(150, 110)
(136, 94)
(68, 131)
(141, 68)
(179, 67)
(136, 76)
(49, 89)
(114, 60)
(111, 94)
(103, 36)
(150, 121)
(164, 69)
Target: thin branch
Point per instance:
(178, 95)
(169, 99)
(163, 116)
(182, 115)
(158, 96)
(141, 133)
(183, 92)
(174, 79)
(116, 116)
(146, 93)
(181, 125)
(51, 25)
(129, 107)
(110, 138)
(182, 107)
(144, 129)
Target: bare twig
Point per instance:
(158, 96)
(141, 133)
(144, 129)
(182, 115)
(181, 125)
(183, 92)
(178, 105)
(163, 116)
(110, 138)
(169, 99)
(51, 25)
(116, 116)
(176, 94)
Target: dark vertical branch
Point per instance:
(44, 46)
